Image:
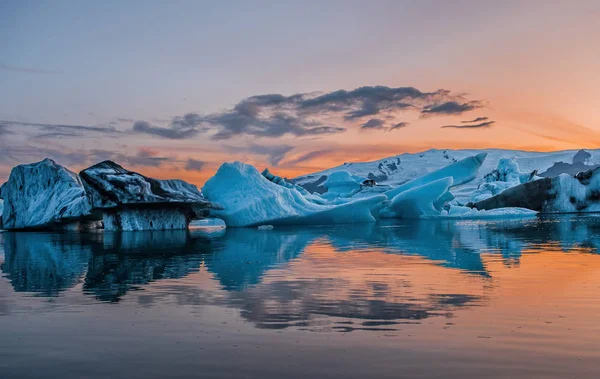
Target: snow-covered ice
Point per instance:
(340, 184)
(249, 199)
(461, 172)
(418, 201)
(400, 169)
(42, 194)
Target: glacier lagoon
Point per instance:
(428, 298)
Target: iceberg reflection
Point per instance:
(289, 276)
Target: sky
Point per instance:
(172, 89)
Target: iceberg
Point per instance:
(131, 201)
(1, 208)
(461, 172)
(41, 195)
(561, 194)
(418, 201)
(249, 199)
(505, 176)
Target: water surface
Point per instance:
(443, 299)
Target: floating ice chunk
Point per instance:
(265, 227)
(418, 201)
(340, 184)
(249, 199)
(470, 213)
(42, 194)
(461, 172)
(131, 201)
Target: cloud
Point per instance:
(194, 165)
(451, 108)
(144, 157)
(478, 119)
(29, 70)
(308, 157)
(4, 130)
(310, 114)
(78, 158)
(60, 130)
(398, 126)
(172, 132)
(374, 123)
(274, 154)
(473, 126)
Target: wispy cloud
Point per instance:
(171, 133)
(451, 108)
(374, 123)
(194, 165)
(478, 119)
(274, 154)
(398, 126)
(486, 124)
(29, 70)
(308, 157)
(59, 130)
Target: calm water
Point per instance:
(443, 299)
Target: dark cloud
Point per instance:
(145, 157)
(478, 119)
(307, 114)
(309, 156)
(29, 70)
(194, 165)
(398, 126)
(473, 126)
(170, 132)
(374, 123)
(4, 130)
(451, 108)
